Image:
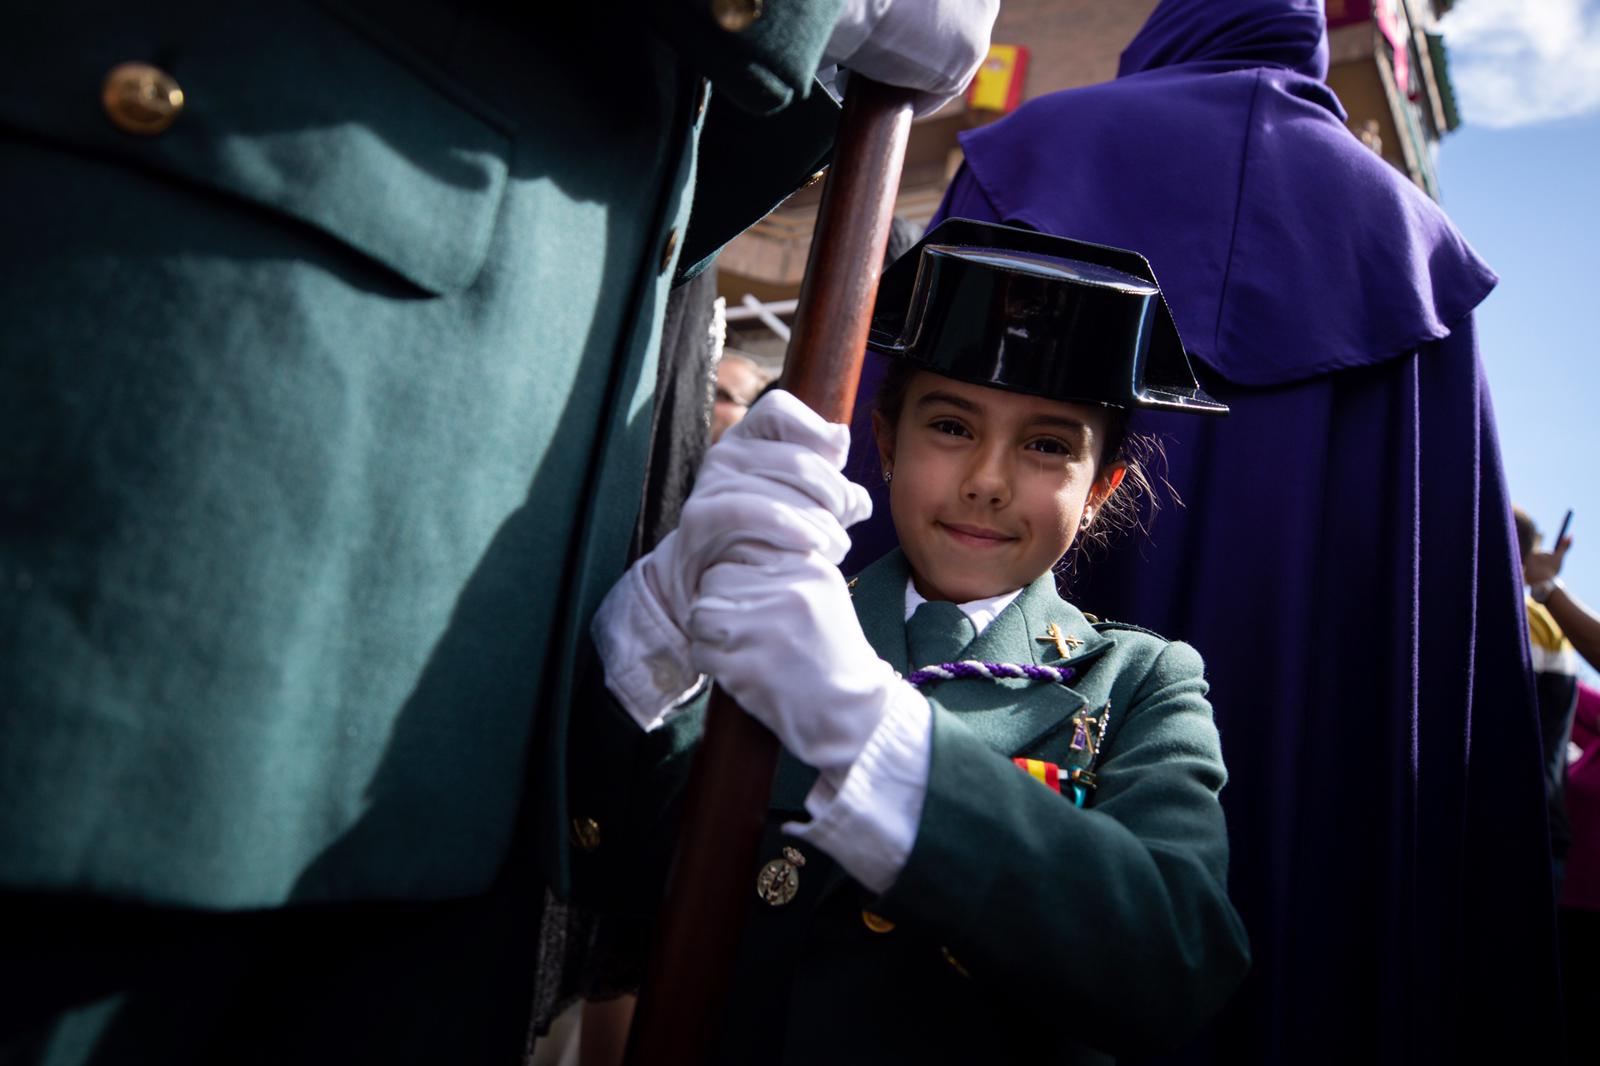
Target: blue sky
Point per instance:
(1520, 179)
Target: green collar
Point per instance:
(1025, 632)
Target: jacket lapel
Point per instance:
(879, 596)
(1029, 710)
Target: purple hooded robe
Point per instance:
(1344, 559)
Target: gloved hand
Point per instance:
(935, 46)
(771, 485)
(771, 482)
(779, 634)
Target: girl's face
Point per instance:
(989, 486)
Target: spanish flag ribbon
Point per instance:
(1047, 772)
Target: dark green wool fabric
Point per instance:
(322, 416)
(936, 632)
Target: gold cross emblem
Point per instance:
(1066, 643)
(1086, 732)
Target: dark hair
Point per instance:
(1132, 506)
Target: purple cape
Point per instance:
(1344, 557)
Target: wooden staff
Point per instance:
(725, 806)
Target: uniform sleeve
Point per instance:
(866, 818)
(625, 791)
(1119, 910)
(645, 656)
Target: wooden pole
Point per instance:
(725, 806)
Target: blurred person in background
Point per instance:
(1560, 624)
(1541, 571)
(740, 382)
(1555, 673)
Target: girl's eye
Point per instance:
(1049, 446)
(950, 426)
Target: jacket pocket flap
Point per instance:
(289, 108)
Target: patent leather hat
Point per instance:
(1028, 312)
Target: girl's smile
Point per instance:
(976, 536)
(989, 486)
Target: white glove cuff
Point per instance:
(867, 817)
(645, 656)
(857, 20)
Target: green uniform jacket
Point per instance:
(1025, 929)
(323, 415)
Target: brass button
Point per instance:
(668, 250)
(876, 922)
(951, 959)
(735, 15)
(585, 834)
(141, 99)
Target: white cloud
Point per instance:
(1515, 62)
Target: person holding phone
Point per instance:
(1570, 714)
(1541, 571)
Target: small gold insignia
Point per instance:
(779, 879)
(876, 922)
(1066, 643)
(1086, 732)
(585, 834)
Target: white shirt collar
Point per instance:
(979, 612)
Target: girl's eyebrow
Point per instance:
(928, 399)
(1060, 421)
(961, 403)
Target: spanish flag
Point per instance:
(1047, 772)
(998, 83)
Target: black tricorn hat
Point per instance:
(1029, 312)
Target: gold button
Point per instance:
(735, 15)
(141, 99)
(669, 249)
(876, 922)
(585, 834)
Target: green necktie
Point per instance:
(937, 632)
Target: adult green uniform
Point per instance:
(323, 401)
(1023, 928)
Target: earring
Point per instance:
(1088, 516)
(888, 476)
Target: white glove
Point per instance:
(935, 46)
(772, 481)
(781, 637)
(772, 484)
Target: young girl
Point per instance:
(995, 834)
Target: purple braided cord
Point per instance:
(990, 671)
